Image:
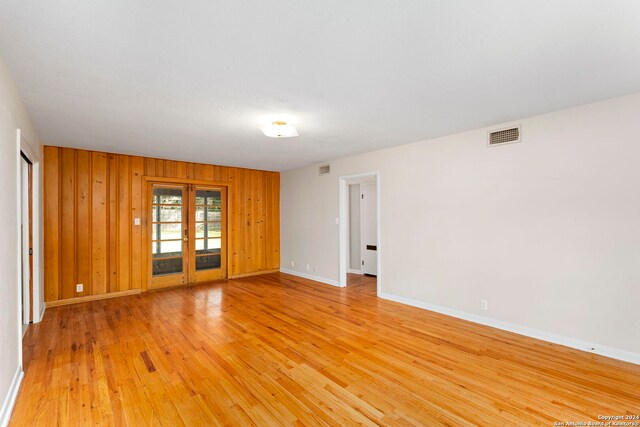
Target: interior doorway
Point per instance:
(26, 240)
(363, 239)
(360, 252)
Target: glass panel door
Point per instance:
(187, 234)
(208, 207)
(169, 235)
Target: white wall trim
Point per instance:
(589, 347)
(38, 297)
(18, 249)
(354, 271)
(311, 277)
(10, 399)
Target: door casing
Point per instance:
(158, 283)
(26, 195)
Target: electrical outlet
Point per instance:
(484, 305)
(293, 264)
(315, 268)
(79, 287)
(308, 267)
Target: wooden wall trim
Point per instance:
(255, 273)
(163, 180)
(88, 298)
(91, 199)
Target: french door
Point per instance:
(187, 234)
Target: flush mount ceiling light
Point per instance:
(279, 129)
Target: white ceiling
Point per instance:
(194, 80)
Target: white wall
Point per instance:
(354, 227)
(12, 116)
(547, 230)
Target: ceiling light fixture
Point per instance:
(279, 129)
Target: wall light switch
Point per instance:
(79, 287)
(337, 221)
(136, 221)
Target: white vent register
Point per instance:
(503, 136)
(324, 170)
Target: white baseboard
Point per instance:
(354, 271)
(10, 398)
(589, 347)
(311, 277)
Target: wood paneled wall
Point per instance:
(91, 198)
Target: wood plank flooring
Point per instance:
(281, 350)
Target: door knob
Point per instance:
(185, 239)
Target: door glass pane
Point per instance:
(172, 231)
(167, 266)
(167, 196)
(167, 231)
(211, 213)
(167, 213)
(208, 262)
(165, 249)
(208, 246)
(208, 197)
(208, 230)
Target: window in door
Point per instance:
(168, 234)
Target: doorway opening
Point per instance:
(187, 234)
(26, 241)
(360, 252)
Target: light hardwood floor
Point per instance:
(280, 350)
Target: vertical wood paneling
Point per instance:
(217, 173)
(160, 168)
(150, 167)
(68, 231)
(99, 223)
(258, 207)
(233, 222)
(244, 215)
(51, 174)
(83, 220)
(268, 223)
(198, 171)
(275, 218)
(138, 266)
(208, 173)
(181, 170)
(112, 284)
(124, 224)
(169, 169)
(92, 198)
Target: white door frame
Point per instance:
(26, 276)
(343, 251)
(23, 146)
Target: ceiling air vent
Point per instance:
(324, 170)
(504, 136)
